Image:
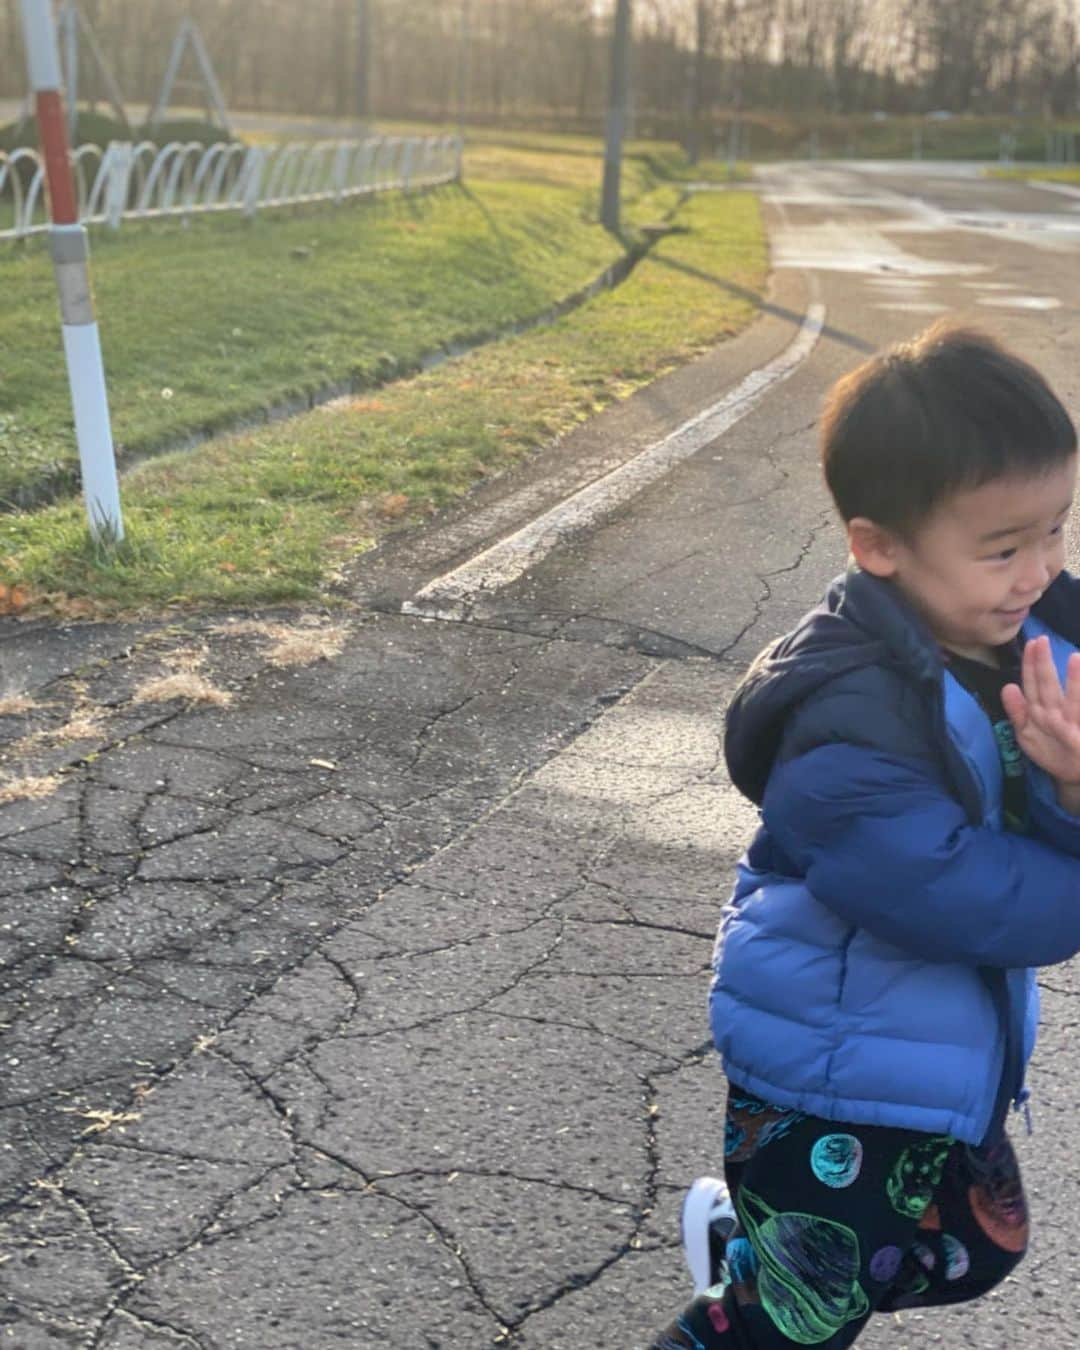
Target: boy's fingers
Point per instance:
(1072, 689)
(1015, 705)
(1047, 686)
(1028, 669)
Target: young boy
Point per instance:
(914, 747)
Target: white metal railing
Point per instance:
(129, 181)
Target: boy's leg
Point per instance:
(973, 1234)
(826, 1215)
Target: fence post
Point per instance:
(254, 165)
(243, 178)
(70, 252)
(121, 154)
(342, 157)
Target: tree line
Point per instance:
(546, 62)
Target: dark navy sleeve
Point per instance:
(883, 845)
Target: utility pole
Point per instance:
(697, 82)
(618, 111)
(464, 65)
(70, 252)
(363, 62)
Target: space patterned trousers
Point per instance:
(837, 1222)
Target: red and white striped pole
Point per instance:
(69, 249)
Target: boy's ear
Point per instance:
(875, 548)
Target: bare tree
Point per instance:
(543, 62)
(364, 63)
(699, 77)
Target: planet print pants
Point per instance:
(837, 1222)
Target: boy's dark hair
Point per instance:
(948, 411)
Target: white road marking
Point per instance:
(1064, 189)
(1020, 301)
(900, 283)
(912, 306)
(452, 595)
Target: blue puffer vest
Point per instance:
(873, 964)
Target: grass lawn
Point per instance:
(1050, 173)
(269, 514)
(206, 324)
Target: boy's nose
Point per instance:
(1037, 576)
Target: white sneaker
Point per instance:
(708, 1218)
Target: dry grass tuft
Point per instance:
(188, 685)
(394, 506)
(102, 1119)
(244, 628)
(305, 646)
(185, 681)
(301, 645)
(15, 704)
(186, 658)
(24, 746)
(85, 724)
(21, 789)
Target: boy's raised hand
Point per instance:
(1046, 718)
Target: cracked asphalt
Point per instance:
(358, 999)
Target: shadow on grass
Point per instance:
(766, 306)
(493, 225)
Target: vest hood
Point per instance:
(862, 621)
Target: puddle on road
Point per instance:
(839, 246)
(850, 245)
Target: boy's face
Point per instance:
(980, 561)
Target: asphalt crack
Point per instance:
(148, 788)
(144, 1320)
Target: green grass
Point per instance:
(1051, 173)
(210, 323)
(663, 158)
(269, 515)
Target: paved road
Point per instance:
(368, 1009)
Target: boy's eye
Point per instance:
(1005, 555)
(1058, 528)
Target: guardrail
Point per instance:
(130, 181)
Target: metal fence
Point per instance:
(128, 181)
